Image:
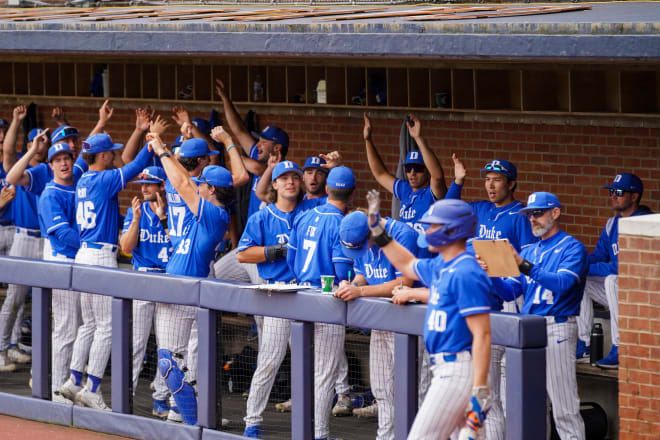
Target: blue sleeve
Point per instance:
(338, 255)
(599, 260)
(213, 218)
(39, 177)
(423, 268)
(79, 168)
(292, 247)
(341, 269)
(454, 191)
(401, 188)
(68, 236)
(571, 269)
(507, 289)
(408, 239)
(132, 169)
(56, 222)
(471, 288)
(127, 220)
(358, 266)
(253, 233)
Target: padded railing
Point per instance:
(523, 336)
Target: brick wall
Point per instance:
(573, 161)
(639, 322)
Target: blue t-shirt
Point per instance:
(154, 247)
(314, 248)
(374, 265)
(5, 214)
(555, 284)
(57, 218)
(458, 288)
(196, 247)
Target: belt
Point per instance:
(30, 232)
(439, 358)
(93, 245)
(559, 319)
(5, 222)
(150, 269)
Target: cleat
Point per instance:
(253, 432)
(367, 411)
(582, 353)
(6, 365)
(225, 423)
(91, 400)
(59, 398)
(343, 407)
(174, 415)
(160, 409)
(611, 361)
(25, 348)
(152, 386)
(69, 389)
(283, 406)
(16, 355)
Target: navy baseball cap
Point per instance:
(286, 166)
(275, 134)
(354, 234)
(315, 162)
(178, 141)
(414, 158)
(196, 147)
(501, 166)
(201, 125)
(4, 123)
(215, 175)
(151, 175)
(341, 177)
(627, 182)
(540, 200)
(99, 143)
(62, 132)
(57, 149)
(34, 133)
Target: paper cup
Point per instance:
(327, 282)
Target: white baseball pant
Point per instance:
(275, 337)
(24, 246)
(342, 386)
(173, 324)
(94, 340)
(381, 376)
(561, 381)
(6, 238)
(605, 291)
(192, 355)
(443, 410)
(495, 422)
(143, 317)
(328, 346)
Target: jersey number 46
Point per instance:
(85, 215)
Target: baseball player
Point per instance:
(497, 220)
(197, 240)
(144, 235)
(97, 216)
(7, 194)
(553, 273)
(602, 281)
(314, 250)
(375, 276)
(457, 330)
(57, 209)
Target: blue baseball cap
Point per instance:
(286, 166)
(34, 133)
(201, 125)
(341, 177)
(501, 166)
(4, 123)
(62, 132)
(99, 143)
(196, 147)
(627, 182)
(354, 234)
(57, 149)
(414, 158)
(215, 175)
(275, 134)
(315, 162)
(151, 175)
(178, 141)
(540, 200)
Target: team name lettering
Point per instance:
(158, 237)
(615, 248)
(173, 198)
(282, 238)
(375, 272)
(435, 296)
(491, 234)
(82, 192)
(407, 214)
(311, 231)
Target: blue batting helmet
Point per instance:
(457, 218)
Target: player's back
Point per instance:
(97, 206)
(178, 214)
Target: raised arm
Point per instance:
(383, 177)
(234, 120)
(142, 122)
(237, 169)
(9, 145)
(262, 191)
(58, 116)
(105, 113)
(438, 185)
(17, 175)
(129, 239)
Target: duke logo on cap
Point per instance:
(57, 149)
(286, 166)
(315, 162)
(540, 200)
(341, 177)
(627, 182)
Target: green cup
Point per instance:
(327, 282)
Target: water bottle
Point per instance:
(257, 89)
(596, 343)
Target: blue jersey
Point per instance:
(555, 284)
(196, 247)
(97, 203)
(314, 248)
(5, 214)
(499, 223)
(41, 174)
(604, 260)
(57, 217)
(374, 265)
(414, 205)
(154, 247)
(178, 215)
(255, 203)
(458, 288)
(24, 209)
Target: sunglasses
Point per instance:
(415, 168)
(354, 245)
(618, 192)
(498, 168)
(536, 213)
(147, 176)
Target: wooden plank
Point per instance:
(503, 12)
(410, 12)
(312, 14)
(234, 15)
(190, 14)
(38, 12)
(116, 17)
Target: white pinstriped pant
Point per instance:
(328, 346)
(143, 316)
(495, 422)
(605, 291)
(561, 381)
(94, 340)
(443, 410)
(6, 238)
(381, 375)
(11, 313)
(66, 320)
(174, 324)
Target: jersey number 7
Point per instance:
(310, 247)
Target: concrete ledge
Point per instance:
(644, 225)
(36, 409)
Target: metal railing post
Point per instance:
(302, 380)
(209, 408)
(405, 383)
(122, 358)
(525, 393)
(41, 343)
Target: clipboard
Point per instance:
(498, 256)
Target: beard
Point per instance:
(540, 231)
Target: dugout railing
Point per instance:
(523, 336)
